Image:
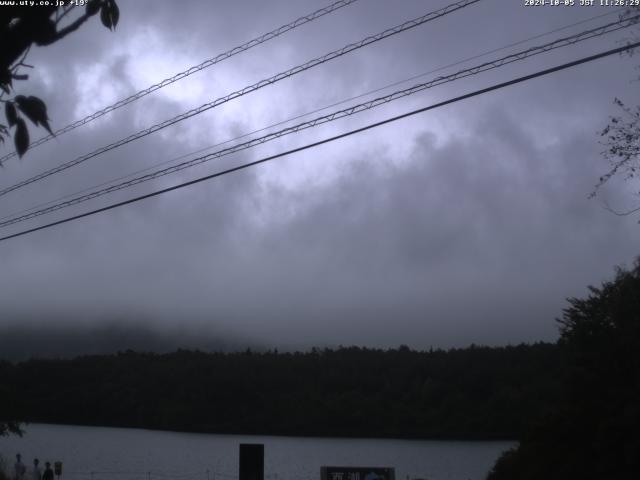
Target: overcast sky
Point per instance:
(465, 224)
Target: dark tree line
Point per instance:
(477, 392)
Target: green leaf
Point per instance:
(115, 13)
(105, 17)
(109, 14)
(11, 113)
(93, 7)
(21, 137)
(35, 110)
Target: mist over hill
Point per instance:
(65, 339)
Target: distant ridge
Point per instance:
(19, 342)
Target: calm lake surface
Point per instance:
(97, 453)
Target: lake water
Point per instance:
(97, 453)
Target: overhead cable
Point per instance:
(190, 71)
(311, 112)
(251, 88)
(522, 55)
(331, 139)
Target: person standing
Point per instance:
(37, 472)
(48, 472)
(19, 467)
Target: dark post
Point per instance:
(251, 461)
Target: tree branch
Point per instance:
(626, 213)
(20, 63)
(65, 11)
(72, 27)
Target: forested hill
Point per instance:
(477, 392)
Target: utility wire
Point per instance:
(256, 86)
(296, 117)
(522, 55)
(334, 138)
(190, 71)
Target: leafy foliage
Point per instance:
(593, 433)
(10, 427)
(4, 475)
(21, 136)
(109, 14)
(622, 142)
(22, 26)
(621, 137)
(478, 392)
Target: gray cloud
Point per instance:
(467, 224)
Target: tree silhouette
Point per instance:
(477, 392)
(9, 427)
(593, 434)
(22, 26)
(621, 136)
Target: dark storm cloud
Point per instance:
(432, 245)
(467, 224)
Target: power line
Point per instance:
(190, 71)
(474, 57)
(518, 56)
(296, 117)
(256, 86)
(334, 138)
